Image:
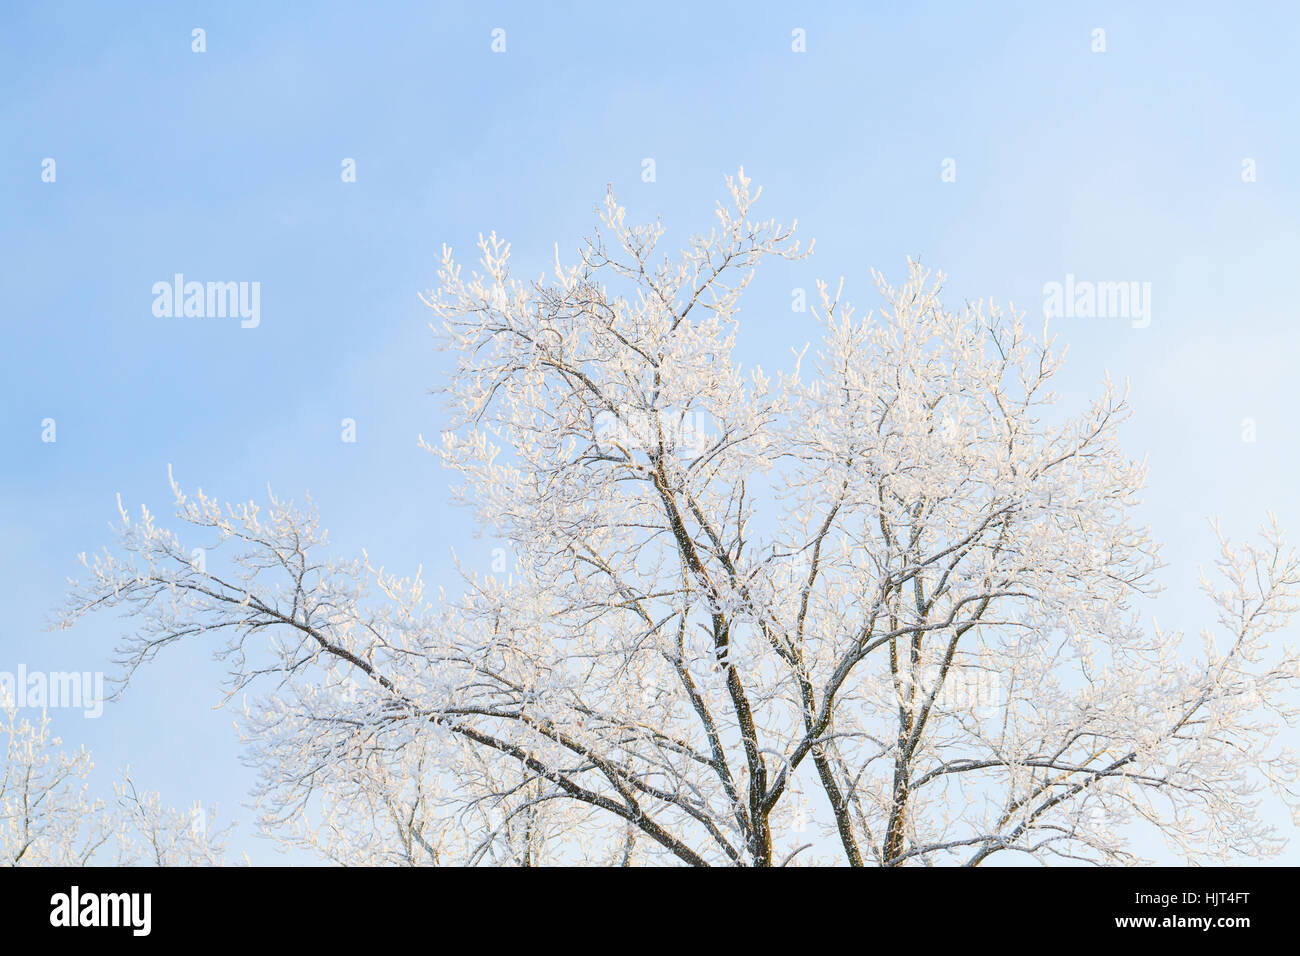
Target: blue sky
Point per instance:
(225, 165)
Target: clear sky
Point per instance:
(1123, 165)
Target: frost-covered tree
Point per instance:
(879, 607)
(155, 834)
(49, 818)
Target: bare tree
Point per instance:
(881, 609)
